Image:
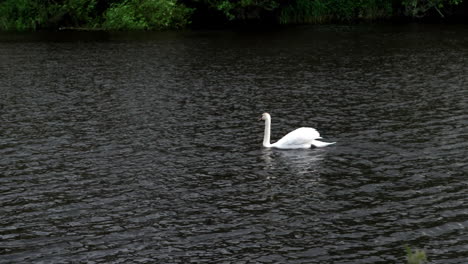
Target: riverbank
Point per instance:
(30, 15)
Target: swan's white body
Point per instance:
(301, 138)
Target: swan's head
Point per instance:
(265, 116)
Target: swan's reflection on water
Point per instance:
(296, 161)
(292, 173)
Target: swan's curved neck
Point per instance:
(266, 137)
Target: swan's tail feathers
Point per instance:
(320, 144)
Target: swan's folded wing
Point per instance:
(300, 136)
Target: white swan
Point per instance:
(301, 138)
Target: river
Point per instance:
(146, 147)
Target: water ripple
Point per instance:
(148, 150)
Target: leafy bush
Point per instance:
(319, 11)
(305, 11)
(419, 8)
(146, 14)
(31, 15)
(241, 10)
(174, 14)
(21, 15)
(78, 12)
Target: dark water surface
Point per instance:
(146, 148)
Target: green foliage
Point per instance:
(243, 9)
(305, 11)
(372, 9)
(415, 257)
(21, 15)
(419, 8)
(146, 14)
(175, 14)
(319, 11)
(123, 16)
(79, 12)
(31, 15)
(127, 14)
